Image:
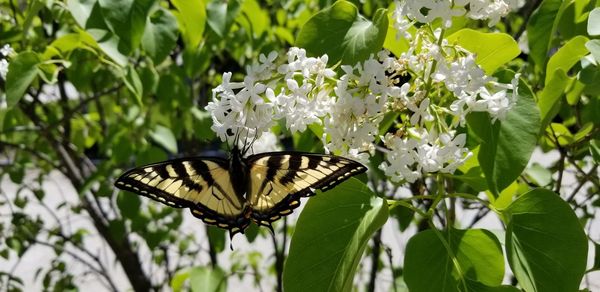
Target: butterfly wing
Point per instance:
(279, 179)
(201, 184)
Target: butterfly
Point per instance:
(230, 193)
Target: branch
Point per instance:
(96, 270)
(33, 152)
(374, 260)
(76, 173)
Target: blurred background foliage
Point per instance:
(104, 85)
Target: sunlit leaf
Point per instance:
(492, 50)
(350, 37)
(546, 244)
(477, 252)
(341, 221)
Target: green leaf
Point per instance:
(541, 27)
(595, 149)
(126, 19)
(593, 27)
(160, 35)
(22, 71)
(479, 287)
(179, 279)
(256, 20)
(204, 279)
(88, 15)
(493, 50)
(220, 15)
(129, 204)
(404, 215)
(477, 252)
(500, 160)
(165, 138)
(330, 238)
(133, 83)
(550, 100)
(191, 15)
(216, 238)
(539, 175)
(343, 34)
(567, 56)
(545, 243)
(474, 178)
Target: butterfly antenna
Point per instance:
(254, 138)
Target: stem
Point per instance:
(374, 260)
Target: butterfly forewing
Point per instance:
(201, 184)
(278, 180)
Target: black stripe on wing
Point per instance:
(190, 183)
(288, 176)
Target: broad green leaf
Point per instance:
(594, 22)
(566, 57)
(330, 238)
(540, 28)
(203, 279)
(501, 160)
(165, 138)
(493, 50)
(477, 252)
(343, 34)
(126, 19)
(191, 15)
(22, 71)
(545, 243)
(160, 35)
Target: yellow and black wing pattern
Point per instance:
(277, 180)
(202, 184)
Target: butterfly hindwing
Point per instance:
(201, 184)
(279, 179)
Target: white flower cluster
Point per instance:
(5, 52)
(441, 85)
(426, 11)
(422, 152)
(362, 95)
(242, 112)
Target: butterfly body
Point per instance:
(230, 193)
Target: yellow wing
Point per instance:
(278, 180)
(201, 184)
